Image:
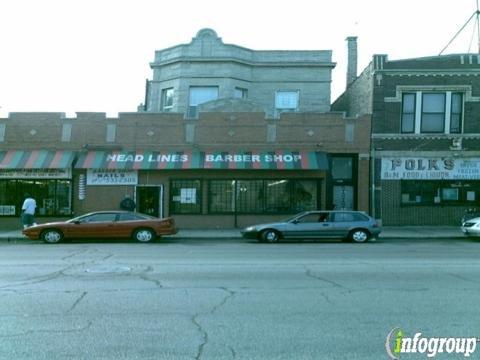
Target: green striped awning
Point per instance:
(36, 159)
(142, 160)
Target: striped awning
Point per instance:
(36, 159)
(142, 160)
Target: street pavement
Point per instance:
(388, 232)
(235, 299)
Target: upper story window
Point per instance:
(199, 95)
(167, 99)
(432, 112)
(240, 93)
(286, 101)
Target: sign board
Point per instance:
(36, 173)
(140, 160)
(430, 168)
(112, 177)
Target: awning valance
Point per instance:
(36, 159)
(141, 160)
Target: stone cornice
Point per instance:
(395, 136)
(467, 89)
(203, 59)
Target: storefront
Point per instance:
(433, 190)
(218, 189)
(44, 174)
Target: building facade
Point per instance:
(228, 137)
(208, 75)
(425, 136)
(222, 170)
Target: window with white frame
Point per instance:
(432, 112)
(167, 99)
(199, 95)
(286, 101)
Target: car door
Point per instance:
(126, 223)
(310, 225)
(99, 225)
(342, 223)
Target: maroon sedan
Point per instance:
(104, 224)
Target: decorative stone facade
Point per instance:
(207, 61)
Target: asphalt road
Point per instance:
(233, 299)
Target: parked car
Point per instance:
(351, 225)
(104, 224)
(471, 227)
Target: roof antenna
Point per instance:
(475, 15)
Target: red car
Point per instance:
(104, 224)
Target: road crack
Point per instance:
(143, 275)
(203, 332)
(309, 273)
(77, 302)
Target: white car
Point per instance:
(471, 227)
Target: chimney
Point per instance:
(352, 59)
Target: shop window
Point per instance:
(249, 196)
(278, 197)
(430, 192)
(221, 196)
(53, 197)
(304, 195)
(262, 196)
(185, 197)
(9, 203)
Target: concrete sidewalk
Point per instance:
(388, 232)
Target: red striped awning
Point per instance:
(36, 159)
(141, 160)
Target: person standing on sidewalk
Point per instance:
(28, 211)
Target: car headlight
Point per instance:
(250, 228)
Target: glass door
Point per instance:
(150, 200)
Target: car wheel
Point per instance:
(270, 236)
(359, 235)
(52, 236)
(144, 235)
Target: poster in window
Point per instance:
(188, 196)
(450, 194)
(470, 195)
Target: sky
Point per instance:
(93, 55)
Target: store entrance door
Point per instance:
(150, 200)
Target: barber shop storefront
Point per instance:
(218, 189)
(432, 190)
(46, 175)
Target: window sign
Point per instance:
(36, 173)
(112, 177)
(188, 196)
